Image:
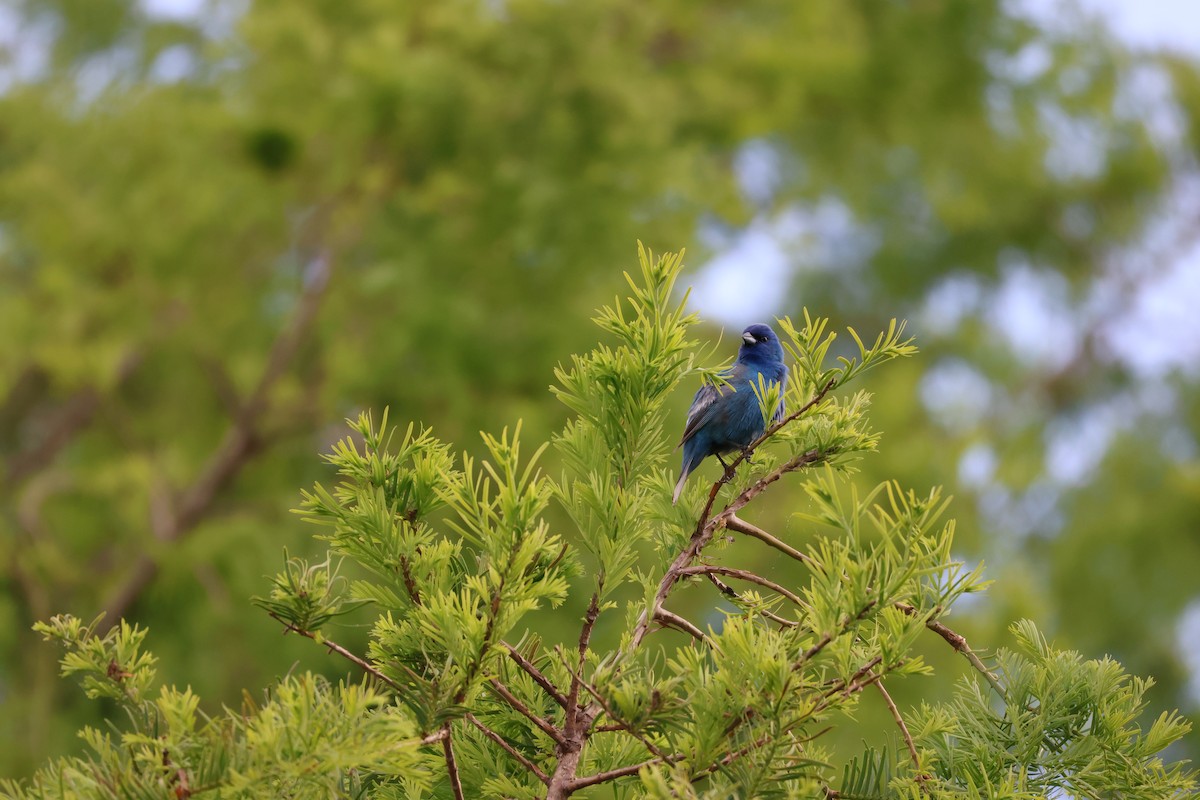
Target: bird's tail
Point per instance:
(684, 470)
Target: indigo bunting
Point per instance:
(727, 417)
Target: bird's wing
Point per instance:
(702, 404)
(706, 398)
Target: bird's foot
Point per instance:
(730, 472)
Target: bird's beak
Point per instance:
(748, 338)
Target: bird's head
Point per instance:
(759, 343)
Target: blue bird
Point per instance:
(727, 417)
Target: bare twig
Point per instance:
(827, 638)
(705, 530)
(452, 765)
(959, 643)
(538, 677)
(579, 715)
(745, 575)
(735, 523)
(612, 774)
(508, 748)
(908, 740)
(671, 620)
(334, 647)
(508, 697)
(848, 687)
(434, 737)
(732, 594)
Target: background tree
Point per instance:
(224, 231)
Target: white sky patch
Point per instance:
(750, 278)
(950, 302)
(1187, 636)
(1019, 515)
(1078, 146)
(956, 394)
(174, 9)
(1155, 330)
(173, 64)
(1030, 309)
(747, 282)
(1144, 23)
(757, 165)
(24, 48)
(1145, 92)
(1075, 446)
(977, 466)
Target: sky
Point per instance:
(1141, 23)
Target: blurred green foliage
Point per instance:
(220, 234)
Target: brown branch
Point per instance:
(612, 774)
(733, 595)
(585, 636)
(508, 748)
(508, 697)
(670, 619)
(908, 740)
(705, 530)
(452, 765)
(579, 715)
(410, 584)
(624, 726)
(67, 421)
(538, 677)
(736, 523)
(334, 647)
(847, 687)
(434, 737)
(238, 445)
(757, 743)
(959, 643)
(854, 686)
(745, 575)
(826, 639)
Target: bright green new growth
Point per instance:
(457, 554)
